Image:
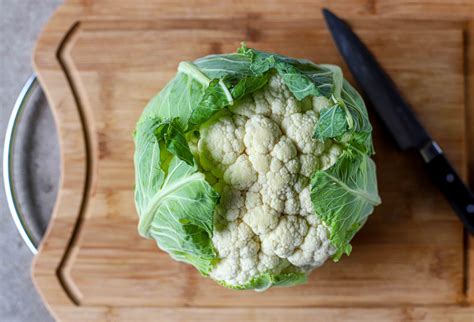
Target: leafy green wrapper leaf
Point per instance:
(148, 174)
(262, 63)
(228, 66)
(177, 100)
(332, 123)
(300, 85)
(360, 127)
(344, 196)
(248, 85)
(232, 79)
(174, 140)
(290, 279)
(179, 216)
(214, 99)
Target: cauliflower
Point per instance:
(258, 172)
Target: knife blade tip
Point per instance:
(327, 14)
(333, 21)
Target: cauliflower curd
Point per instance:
(254, 168)
(260, 155)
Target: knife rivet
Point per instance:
(450, 178)
(470, 209)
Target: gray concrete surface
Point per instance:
(36, 158)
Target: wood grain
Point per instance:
(396, 314)
(100, 61)
(448, 9)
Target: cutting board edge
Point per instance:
(51, 281)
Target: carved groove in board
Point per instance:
(64, 267)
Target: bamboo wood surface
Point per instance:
(100, 61)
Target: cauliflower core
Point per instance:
(259, 155)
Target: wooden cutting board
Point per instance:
(101, 61)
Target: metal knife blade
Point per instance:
(392, 108)
(399, 119)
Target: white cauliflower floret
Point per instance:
(240, 175)
(305, 202)
(288, 235)
(300, 128)
(292, 203)
(301, 183)
(253, 198)
(261, 219)
(313, 219)
(331, 157)
(315, 249)
(267, 262)
(284, 150)
(293, 166)
(252, 105)
(238, 247)
(309, 163)
(320, 102)
(261, 134)
(262, 154)
(260, 162)
(281, 100)
(220, 144)
(231, 204)
(275, 200)
(279, 177)
(234, 234)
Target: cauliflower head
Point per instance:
(255, 168)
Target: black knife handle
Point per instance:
(450, 184)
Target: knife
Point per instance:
(399, 118)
